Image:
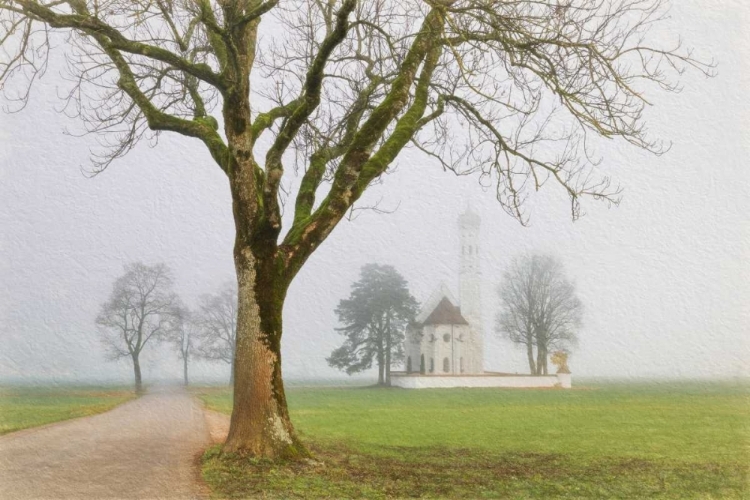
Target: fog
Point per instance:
(664, 277)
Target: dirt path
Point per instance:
(144, 449)
(218, 425)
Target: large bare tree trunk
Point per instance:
(185, 370)
(260, 424)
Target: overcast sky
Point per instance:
(665, 278)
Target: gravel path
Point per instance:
(146, 449)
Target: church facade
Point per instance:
(444, 347)
(446, 337)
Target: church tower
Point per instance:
(470, 298)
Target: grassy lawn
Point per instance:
(23, 407)
(601, 441)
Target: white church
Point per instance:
(444, 347)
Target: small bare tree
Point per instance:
(184, 337)
(141, 307)
(538, 308)
(216, 326)
(341, 87)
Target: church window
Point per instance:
(470, 248)
(447, 337)
(421, 364)
(446, 365)
(432, 365)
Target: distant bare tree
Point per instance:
(509, 89)
(141, 307)
(538, 308)
(184, 336)
(216, 324)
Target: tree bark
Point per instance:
(260, 424)
(185, 369)
(137, 372)
(381, 375)
(381, 365)
(388, 360)
(541, 361)
(530, 355)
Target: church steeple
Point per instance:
(470, 298)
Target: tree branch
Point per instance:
(93, 26)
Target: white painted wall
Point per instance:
(438, 349)
(562, 380)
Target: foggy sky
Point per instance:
(664, 278)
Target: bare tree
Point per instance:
(538, 308)
(184, 337)
(141, 307)
(341, 87)
(216, 323)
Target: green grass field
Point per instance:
(601, 441)
(23, 407)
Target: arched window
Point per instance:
(446, 365)
(447, 337)
(461, 364)
(408, 364)
(421, 364)
(432, 365)
(470, 249)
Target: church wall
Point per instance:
(510, 381)
(411, 349)
(443, 349)
(434, 346)
(476, 352)
(429, 349)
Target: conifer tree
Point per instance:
(375, 316)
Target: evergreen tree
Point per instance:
(375, 316)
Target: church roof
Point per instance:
(445, 313)
(440, 293)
